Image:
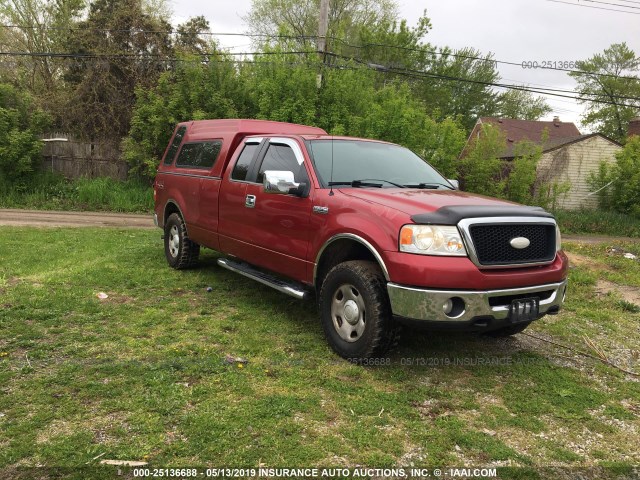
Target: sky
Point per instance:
(513, 30)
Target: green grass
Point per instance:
(47, 191)
(595, 222)
(142, 375)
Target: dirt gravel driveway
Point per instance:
(43, 218)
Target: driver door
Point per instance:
(280, 222)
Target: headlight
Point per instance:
(558, 239)
(432, 240)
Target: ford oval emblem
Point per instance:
(519, 242)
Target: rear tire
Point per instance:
(508, 331)
(355, 311)
(180, 251)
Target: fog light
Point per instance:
(447, 306)
(453, 307)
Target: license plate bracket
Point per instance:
(524, 310)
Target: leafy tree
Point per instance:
(345, 99)
(609, 76)
(159, 10)
(457, 85)
(352, 103)
(21, 124)
(41, 27)
(392, 44)
(300, 18)
(442, 143)
(450, 83)
(189, 36)
(522, 105)
(119, 48)
(283, 90)
(393, 114)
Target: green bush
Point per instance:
(481, 169)
(618, 185)
(519, 184)
(20, 126)
(350, 102)
(51, 191)
(190, 92)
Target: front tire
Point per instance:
(355, 311)
(180, 251)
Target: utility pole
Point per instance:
(323, 26)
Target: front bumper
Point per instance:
(479, 306)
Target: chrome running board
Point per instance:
(290, 288)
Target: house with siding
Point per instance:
(568, 157)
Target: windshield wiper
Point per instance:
(432, 186)
(378, 180)
(356, 183)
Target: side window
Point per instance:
(282, 157)
(241, 167)
(173, 149)
(199, 155)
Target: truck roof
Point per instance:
(207, 129)
(307, 136)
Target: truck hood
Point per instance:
(414, 201)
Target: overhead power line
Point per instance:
(546, 92)
(142, 54)
(539, 90)
(313, 38)
(514, 87)
(614, 4)
(483, 59)
(591, 6)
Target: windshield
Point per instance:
(359, 163)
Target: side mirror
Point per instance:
(455, 183)
(281, 182)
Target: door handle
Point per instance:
(250, 201)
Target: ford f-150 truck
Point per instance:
(368, 227)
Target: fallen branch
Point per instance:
(123, 463)
(602, 358)
(95, 458)
(596, 349)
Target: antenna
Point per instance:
(331, 180)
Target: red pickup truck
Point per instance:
(376, 233)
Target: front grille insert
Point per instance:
(492, 243)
